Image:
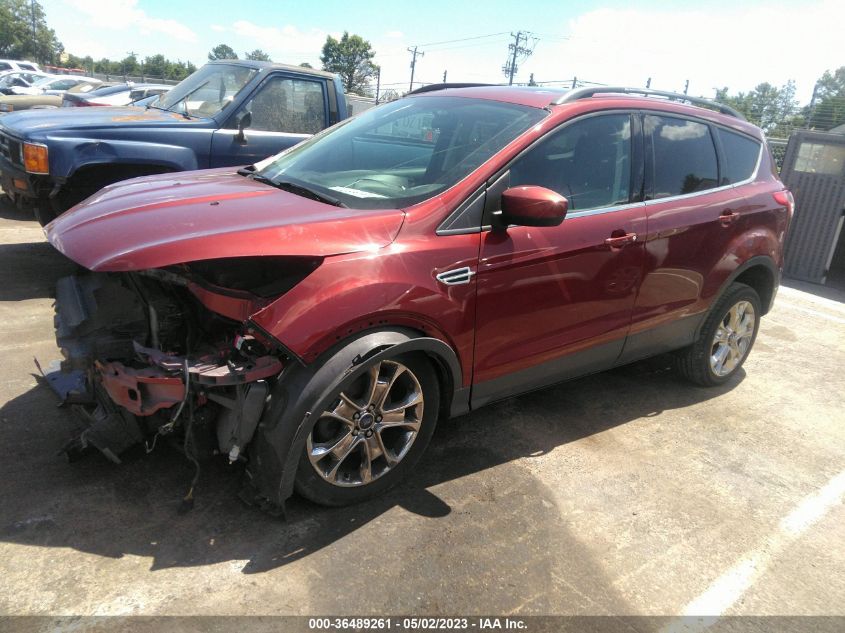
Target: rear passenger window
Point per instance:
(683, 156)
(741, 155)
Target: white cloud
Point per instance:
(286, 43)
(124, 15)
(395, 35)
(738, 48)
(218, 28)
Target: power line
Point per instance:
(463, 39)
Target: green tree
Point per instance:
(24, 33)
(774, 110)
(156, 66)
(258, 55)
(222, 51)
(306, 65)
(828, 110)
(129, 65)
(351, 58)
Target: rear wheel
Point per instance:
(372, 434)
(726, 338)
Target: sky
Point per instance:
(712, 44)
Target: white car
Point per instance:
(19, 79)
(57, 85)
(14, 64)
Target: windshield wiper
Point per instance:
(299, 190)
(304, 192)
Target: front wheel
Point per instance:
(726, 338)
(372, 434)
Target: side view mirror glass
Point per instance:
(531, 206)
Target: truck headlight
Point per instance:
(35, 158)
(6, 107)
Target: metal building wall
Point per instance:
(819, 204)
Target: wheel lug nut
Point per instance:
(355, 432)
(356, 415)
(378, 418)
(369, 433)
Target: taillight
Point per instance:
(784, 198)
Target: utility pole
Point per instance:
(516, 50)
(32, 10)
(378, 82)
(686, 86)
(574, 82)
(648, 83)
(128, 54)
(444, 76)
(414, 52)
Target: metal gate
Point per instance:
(814, 170)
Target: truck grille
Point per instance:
(10, 149)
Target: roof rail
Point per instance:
(433, 87)
(583, 93)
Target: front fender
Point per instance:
(68, 155)
(303, 391)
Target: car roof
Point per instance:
(596, 98)
(251, 63)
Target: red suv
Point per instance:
(315, 314)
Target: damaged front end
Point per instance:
(167, 353)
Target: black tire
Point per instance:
(316, 488)
(694, 362)
(44, 213)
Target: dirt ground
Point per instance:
(626, 493)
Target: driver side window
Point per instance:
(287, 105)
(588, 161)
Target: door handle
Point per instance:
(618, 241)
(728, 217)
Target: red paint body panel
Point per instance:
(163, 220)
(391, 286)
(547, 292)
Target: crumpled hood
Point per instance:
(169, 219)
(75, 119)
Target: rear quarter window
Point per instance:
(741, 156)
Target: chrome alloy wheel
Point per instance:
(369, 428)
(732, 339)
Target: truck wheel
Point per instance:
(372, 434)
(44, 212)
(726, 338)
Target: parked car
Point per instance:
(118, 95)
(226, 113)
(57, 85)
(315, 314)
(13, 64)
(19, 79)
(43, 101)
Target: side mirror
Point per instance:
(530, 206)
(244, 120)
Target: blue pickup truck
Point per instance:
(227, 113)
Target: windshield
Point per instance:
(402, 152)
(208, 91)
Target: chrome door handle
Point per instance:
(621, 240)
(728, 217)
